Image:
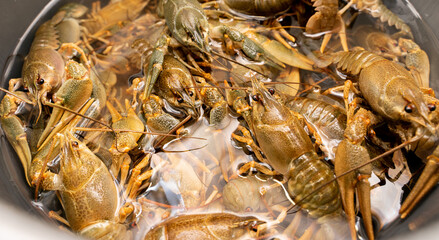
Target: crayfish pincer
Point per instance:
(350, 154)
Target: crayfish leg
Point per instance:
(349, 155)
(61, 120)
(56, 216)
(347, 190)
(341, 34)
(347, 195)
(155, 65)
(363, 190)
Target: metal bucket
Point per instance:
(20, 219)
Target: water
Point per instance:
(385, 200)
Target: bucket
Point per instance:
(20, 219)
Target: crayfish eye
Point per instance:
(40, 80)
(191, 93)
(180, 100)
(432, 107)
(255, 98)
(254, 227)
(409, 108)
(271, 91)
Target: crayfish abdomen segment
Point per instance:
(307, 173)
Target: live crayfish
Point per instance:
(293, 155)
(395, 96)
(206, 226)
(92, 214)
(85, 185)
(188, 24)
(193, 47)
(43, 68)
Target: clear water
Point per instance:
(201, 180)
